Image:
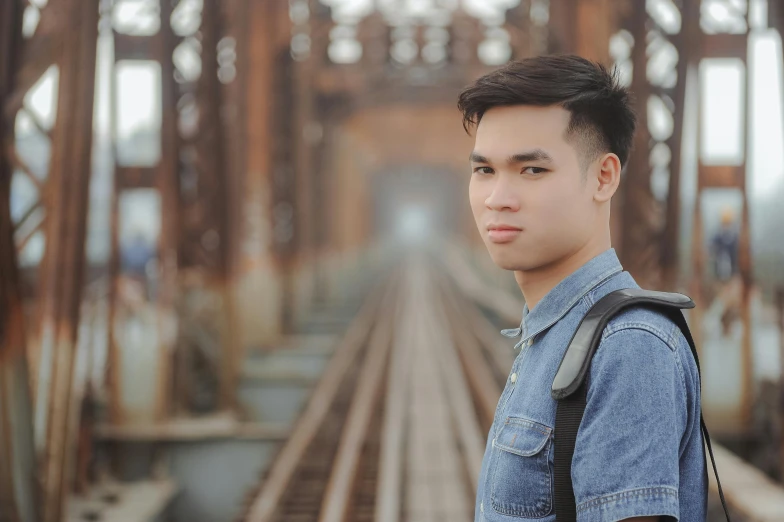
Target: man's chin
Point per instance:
(512, 267)
(508, 262)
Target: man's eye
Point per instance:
(534, 170)
(483, 170)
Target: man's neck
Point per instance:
(536, 283)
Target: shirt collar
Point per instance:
(565, 295)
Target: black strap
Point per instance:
(567, 422)
(571, 406)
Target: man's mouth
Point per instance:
(501, 233)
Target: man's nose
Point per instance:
(502, 197)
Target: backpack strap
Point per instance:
(570, 391)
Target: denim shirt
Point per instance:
(639, 448)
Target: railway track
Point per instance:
(395, 429)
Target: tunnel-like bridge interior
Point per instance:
(240, 278)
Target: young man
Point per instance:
(551, 136)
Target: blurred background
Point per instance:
(240, 280)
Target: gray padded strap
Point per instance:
(577, 359)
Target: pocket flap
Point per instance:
(522, 436)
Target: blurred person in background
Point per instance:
(724, 247)
(136, 252)
(134, 286)
(724, 256)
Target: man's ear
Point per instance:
(608, 176)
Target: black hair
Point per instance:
(602, 117)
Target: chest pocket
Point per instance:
(522, 475)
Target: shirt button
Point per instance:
(514, 378)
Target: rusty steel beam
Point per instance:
(776, 16)
(135, 177)
(584, 27)
(235, 27)
(780, 325)
(638, 245)
(724, 45)
(19, 491)
(164, 177)
(649, 227)
(15, 160)
(38, 53)
(776, 20)
(730, 177)
(234, 120)
(63, 264)
(207, 208)
(306, 134)
(133, 47)
(36, 59)
(250, 132)
(284, 179)
(685, 43)
(721, 176)
(645, 232)
(573, 30)
(204, 206)
(322, 205)
(169, 187)
(198, 245)
(521, 31)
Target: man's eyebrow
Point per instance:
(520, 157)
(477, 158)
(531, 155)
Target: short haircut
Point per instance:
(602, 118)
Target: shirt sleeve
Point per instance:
(626, 459)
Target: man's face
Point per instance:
(530, 200)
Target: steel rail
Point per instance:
(262, 508)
